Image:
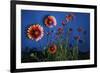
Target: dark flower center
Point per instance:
(50, 22)
(52, 49)
(36, 33)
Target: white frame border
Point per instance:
(20, 65)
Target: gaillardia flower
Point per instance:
(35, 32)
(52, 49)
(63, 23)
(60, 30)
(69, 17)
(50, 21)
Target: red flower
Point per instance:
(69, 17)
(63, 23)
(50, 21)
(80, 29)
(35, 32)
(60, 29)
(52, 49)
(77, 38)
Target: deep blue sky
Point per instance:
(29, 17)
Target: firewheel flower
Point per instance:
(69, 17)
(63, 23)
(50, 21)
(60, 30)
(35, 32)
(52, 49)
